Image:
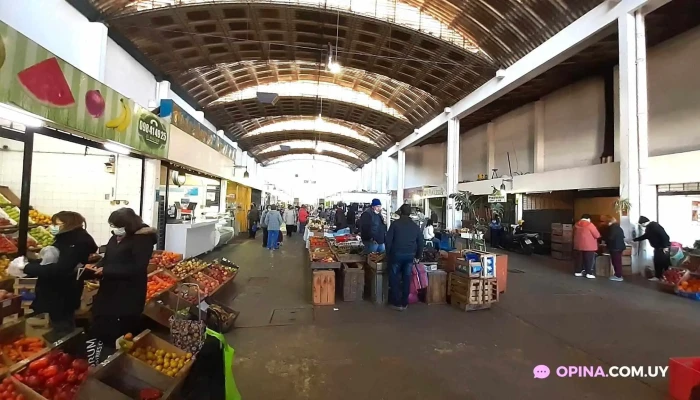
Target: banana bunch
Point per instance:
(121, 123)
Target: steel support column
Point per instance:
(634, 151)
(454, 219)
(401, 178)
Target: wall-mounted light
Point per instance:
(14, 114)
(116, 148)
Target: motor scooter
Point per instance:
(525, 243)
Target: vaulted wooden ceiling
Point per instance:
(417, 65)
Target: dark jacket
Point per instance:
(372, 227)
(340, 220)
(124, 274)
(57, 289)
(616, 238)
(253, 216)
(404, 239)
(656, 235)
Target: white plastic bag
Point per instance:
(16, 267)
(49, 255)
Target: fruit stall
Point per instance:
(177, 288)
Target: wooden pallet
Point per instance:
(461, 303)
(323, 288)
(490, 293)
(469, 288)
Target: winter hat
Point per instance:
(643, 220)
(586, 216)
(376, 202)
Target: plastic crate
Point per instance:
(683, 377)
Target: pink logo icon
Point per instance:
(541, 371)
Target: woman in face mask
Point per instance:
(119, 302)
(58, 290)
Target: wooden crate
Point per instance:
(562, 255)
(491, 290)
(323, 288)
(353, 282)
(603, 267)
(502, 271)
(377, 286)
(463, 303)
(437, 287)
(469, 288)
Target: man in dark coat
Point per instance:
(616, 245)
(404, 246)
(373, 228)
(340, 219)
(253, 218)
(659, 240)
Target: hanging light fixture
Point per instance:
(246, 174)
(333, 65)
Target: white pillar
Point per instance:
(633, 121)
(453, 219)
(401, 178)
(539, 136)
(162, 91)
(384, 173)
(491, 146)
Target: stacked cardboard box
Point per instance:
(562, 241)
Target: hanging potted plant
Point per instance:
(622, 206)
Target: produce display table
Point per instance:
(190, 239)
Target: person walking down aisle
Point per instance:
(273, 221)
(253, 218)
(58, 290)
(404, 246)
(586, 237)
(303, 219)
(373, 228)
(290, 219)
(659, 240)
(119, 302)
(263, 225)
(429, 233)
(340, 219)
(616, 245)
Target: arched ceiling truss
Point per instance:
(353, 162)
(410, 101)
(319, 147)
(309, 157)
(310, 123)
(413, 56)
(263, 141)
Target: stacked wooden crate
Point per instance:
(562, 241)
(470, 294)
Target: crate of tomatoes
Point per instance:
(158, 282)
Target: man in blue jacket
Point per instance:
(373, 228)
(404, 246)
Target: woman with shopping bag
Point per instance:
(58, 287)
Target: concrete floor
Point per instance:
(437, 352)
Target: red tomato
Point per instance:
(52, 383)
(7, 381)
(46, 393)
(60, 377)
(65, 359)
(81, 377)
(33, 382)
(80, 365)
(39, 364)
(49, 371)
(71, 376)
(19, 377)
(5, 395)
(19, 397)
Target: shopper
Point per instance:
(290, 219)
(659, 240)
(496, 228)
(263, 225)
(341, 221)
(273, 221)
(58, 290)
(616, 245)
(118, 304)
(303, 219)
(586, 237)
(373, 228)
(351, 217)
(253, 218)
(429, 234)
(404, 246)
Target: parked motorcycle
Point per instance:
(526, 243)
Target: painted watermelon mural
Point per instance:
(34, 79)
(46, 83)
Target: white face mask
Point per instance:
(119, 231)
(54, 229)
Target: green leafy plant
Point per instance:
(622, 206)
